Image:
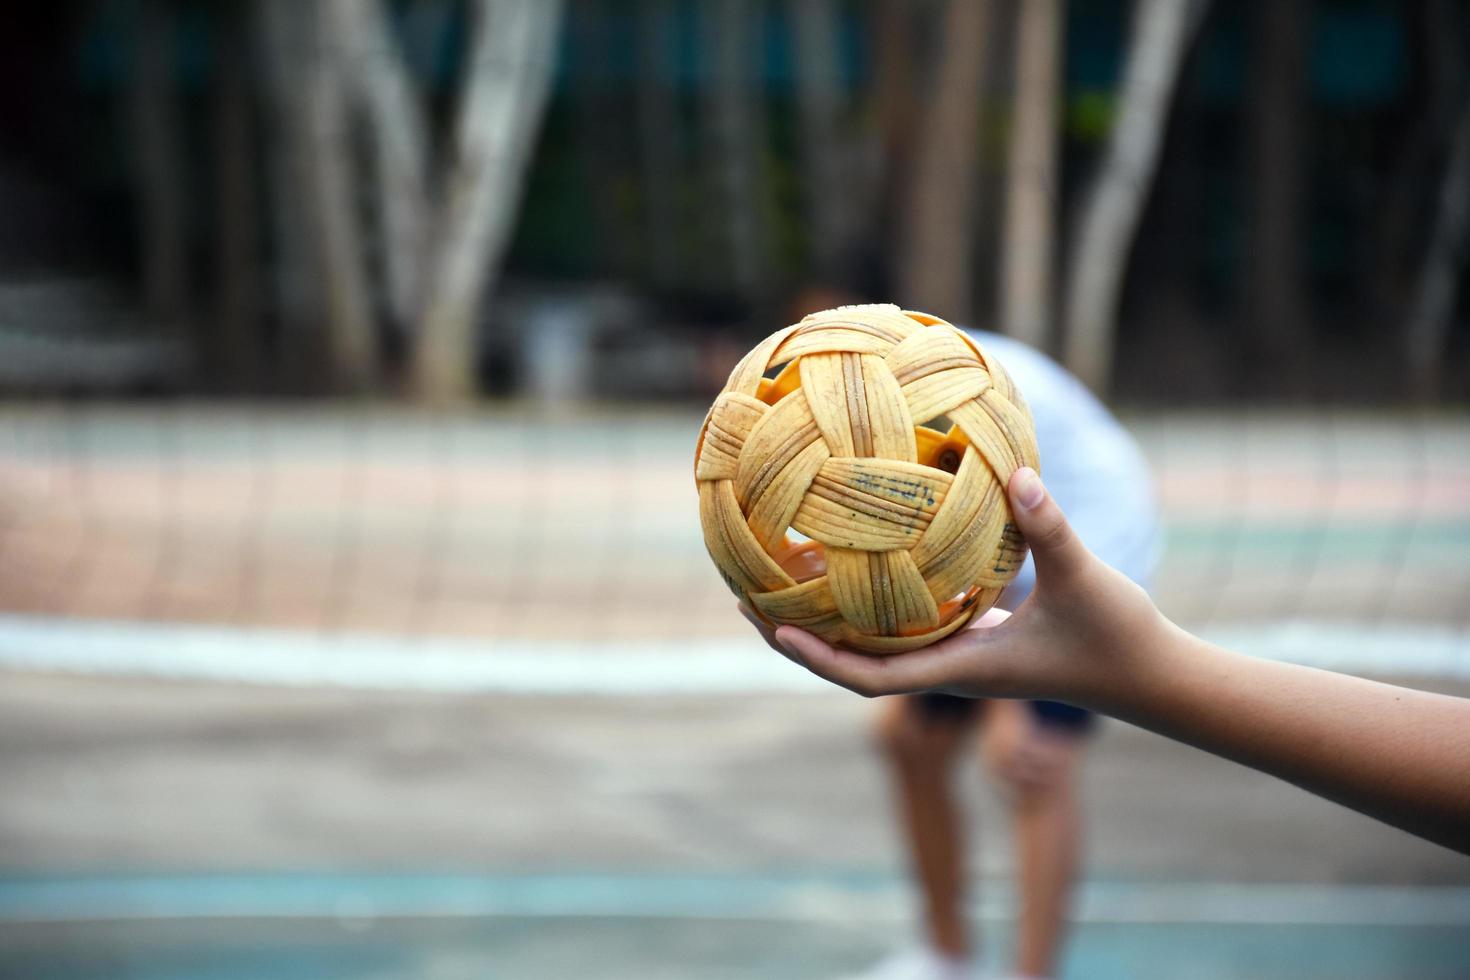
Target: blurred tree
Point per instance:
(159, 166)
(1396, 219)
(334, 230)
(1414, 280)
(819, 92)
(1098, 264)
(234, 356)
(328, 323)
(937, 238)
(735, 141)
(441, 256)
(1032, 186)
(1428, 327)
(894, 95)
(295, 276)
(600, 131)
(658, 139)
(511, 62)
(1276, 311)
(383, 92)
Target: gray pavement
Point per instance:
(138, 775)
(199, 830)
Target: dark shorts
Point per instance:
(1052, 714)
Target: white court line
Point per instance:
(734, 666)
(735, 897)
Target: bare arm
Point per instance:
(1090, 637)
(1397, 754)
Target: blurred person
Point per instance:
(1034, 750)
(1092, 637)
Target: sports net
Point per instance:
(580, 529)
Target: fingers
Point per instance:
(1056, 548)
(955, 664)
(993, 616)
(850, 670)
(854, 671)
(764, 629)
(937, 667)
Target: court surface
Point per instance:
(355, 946)
(193, 829)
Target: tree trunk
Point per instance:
(819, 96)
(351, 336)
(1428, 328)
(509, 80)
(160, 169)
(1275, 310)
(1162, 33)
(1031, 185)
(894, 97)
(658, 128)
(735, 140)
(296, 275)
(382, 88)
(893, 22)
(1387, 264)
(935, 269)
(599, 134)
(235, 348)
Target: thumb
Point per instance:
(1054, 545)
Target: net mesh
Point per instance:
(583, 527)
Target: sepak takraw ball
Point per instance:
(852, 478)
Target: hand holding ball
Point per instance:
(904, 531)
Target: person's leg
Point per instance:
(1039, 765)
(921, 744)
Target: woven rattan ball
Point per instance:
(884, 439)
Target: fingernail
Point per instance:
(1029, 491)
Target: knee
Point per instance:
(1035, 789)
(1040, 774)
(909, 740)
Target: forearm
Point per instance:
(1090, 637)
(1396, 754)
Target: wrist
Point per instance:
(1122, 669)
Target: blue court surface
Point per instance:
(355, 927)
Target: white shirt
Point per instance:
(1090, 463)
